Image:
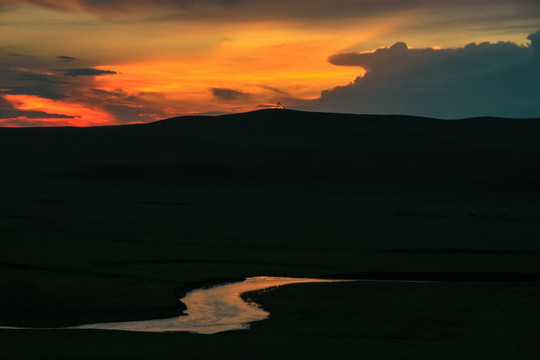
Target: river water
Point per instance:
(211, 310)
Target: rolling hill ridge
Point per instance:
(286, 146)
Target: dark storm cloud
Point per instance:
(87, 72)
(24, 74)
(63, 58)
(498, 79)
(17, 82)
(41, 91)
(535, 41)
(226, 94)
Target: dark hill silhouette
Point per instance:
(113, 223)
(286, 146)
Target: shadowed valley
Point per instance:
(116, 223)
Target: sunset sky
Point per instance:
(96, 62)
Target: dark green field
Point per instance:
(116, 223)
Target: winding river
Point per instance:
(211, 310)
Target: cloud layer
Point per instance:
(498, 79)
(262, 8)
(64, 58)
(226, 94)
(87, 72)
(34, 92)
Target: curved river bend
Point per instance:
(211, 310)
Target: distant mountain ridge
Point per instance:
(285, 146)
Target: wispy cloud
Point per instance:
(228, 94)
(88, 72)
(64, 58)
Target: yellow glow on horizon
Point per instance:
(269, 65)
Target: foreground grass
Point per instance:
(89, 252)
(109, 224)
(82, 252)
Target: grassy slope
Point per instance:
(112, 223)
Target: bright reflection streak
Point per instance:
(212, 310)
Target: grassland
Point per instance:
(105, 224)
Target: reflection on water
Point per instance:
(212, 310)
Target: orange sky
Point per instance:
(168, 60)
(77, 114)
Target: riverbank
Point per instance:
(248, 295)
(92, 257)
(358, 319)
